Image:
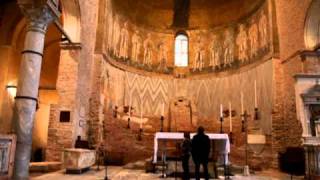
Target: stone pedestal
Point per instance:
(77, 160)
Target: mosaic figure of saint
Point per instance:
(253, 37)
(198, 63)
(242, 42)
(124, 42)
(163, 56)
(116, 36)
(215, 52)
(148, 48)
(136, 46)
(228, 48)
(263, 30)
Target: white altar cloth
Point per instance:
(178, 136)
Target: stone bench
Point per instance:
(77, 160)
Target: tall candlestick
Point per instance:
(242, 108)
(255, 94)
(162, 112)
(141, 114)
(221, 111)
(130, 101)
(230, 116)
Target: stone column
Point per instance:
(38, 19)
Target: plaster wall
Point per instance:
(41, 123)
(5, 99)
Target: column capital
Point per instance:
(38, 16)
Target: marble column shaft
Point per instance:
(28, 84)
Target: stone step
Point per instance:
(45, 166)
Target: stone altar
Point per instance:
(179, 136)
(77, 160)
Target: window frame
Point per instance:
(180, 63)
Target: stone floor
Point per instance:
(123, 173)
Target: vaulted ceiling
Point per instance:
(202, 13)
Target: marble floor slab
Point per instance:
(121, 173)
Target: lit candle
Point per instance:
(141, 114)
(255, 94)
(242, 109)
(230, 116)
(221, 111)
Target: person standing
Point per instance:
(185, 155)
(200, 149)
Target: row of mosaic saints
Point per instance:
(221, 53)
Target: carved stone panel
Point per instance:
(7, 151)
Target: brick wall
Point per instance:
(62, 134)
(96, 102)
(286, 129)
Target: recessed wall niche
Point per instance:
(64, 116)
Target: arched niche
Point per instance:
(312, 25)
(71, 19)
(50, 62)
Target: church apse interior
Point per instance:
(116, 83)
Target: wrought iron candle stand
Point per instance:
(231, 137)
(256, 114)
(161, 123)
(115, 112)
(232, 114)
(221, 127)
(130, 109)
(245, 117)
(128, 126)
(104, 153)
(140, 134)
(106, 168)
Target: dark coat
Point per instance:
(186, 147)
(200, 148)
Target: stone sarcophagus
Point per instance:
(7, 152)
(77, 160)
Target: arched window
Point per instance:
(312, 25)
(181, 50)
